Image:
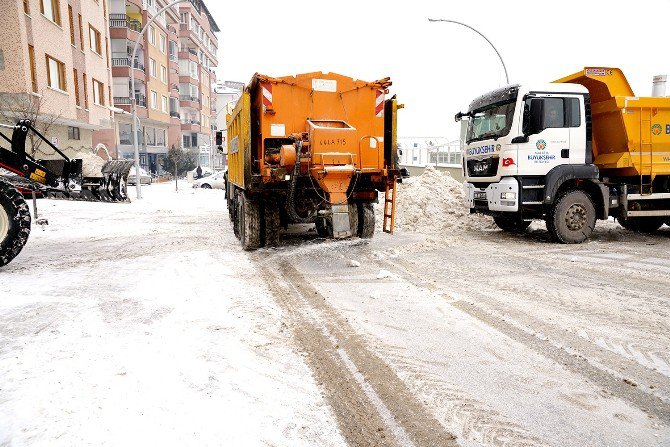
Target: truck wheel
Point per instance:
(366, 220)
(272, 223)
(641, 224)
(572, 218)
(511, 224)
(250, 220)
(353, 219)
(323, 229)
(14, 223)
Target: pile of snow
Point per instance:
(91, 163)
(433, 202)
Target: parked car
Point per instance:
(216, 181)
(145, 178)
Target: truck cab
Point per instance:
(521, 144)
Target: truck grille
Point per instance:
(486, 167)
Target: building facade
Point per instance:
(55, 61)
(173, 71)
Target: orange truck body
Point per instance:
(330, 138)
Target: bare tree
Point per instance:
(16, 106)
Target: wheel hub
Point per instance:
(4, 224)
(575, 218)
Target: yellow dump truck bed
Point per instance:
(631, 134)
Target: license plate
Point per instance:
(480, 195)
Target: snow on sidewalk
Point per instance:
(146, 324)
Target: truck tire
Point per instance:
(14, 223)
(237, 213)
(272, 218)
(353, 219)
(572, 218)
(511, 224)
(250, 222)
(641, 224)
(366, 220)
(323, 229)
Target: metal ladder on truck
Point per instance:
(389, 201)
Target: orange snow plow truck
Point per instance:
(314, 148)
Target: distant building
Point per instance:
(226, 94)
(174, 75)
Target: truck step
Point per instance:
(533, 187)
(531, 203)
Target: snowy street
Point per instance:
(147, 324)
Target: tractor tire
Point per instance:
(323, 228)
(366, 220)
(272, 218)
(572, 218)
(353, 219)
(250, 222)
(641, 224)
(14, 223)
(511, 224)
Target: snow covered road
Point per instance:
(145, 323)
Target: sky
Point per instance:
(438, 68)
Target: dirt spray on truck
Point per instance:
(312, 148)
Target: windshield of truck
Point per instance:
(493, 121)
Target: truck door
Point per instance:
(550, 146)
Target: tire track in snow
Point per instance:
(372, 405)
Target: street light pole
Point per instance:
(133, 100)
(468, 26)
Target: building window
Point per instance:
(51, 10)
(164, 104)
(152, 67)
(154, 100)
(161, 45)
(94, 39)
(98, 93)
(186, 139)
(56, 73)
(73, 133)
(151, 136)
(160, 137)
(164, 74)
(173, 50)
(26, 6)
(81, 33)
(85, 92)
(194, 140)
(152, 35)
(33, 71)
(71, 21)
(76, 89)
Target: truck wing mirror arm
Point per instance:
(520, 139)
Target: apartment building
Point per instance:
(54, 56)
(198, 47)
(173, 72)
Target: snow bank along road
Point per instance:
(145, 323)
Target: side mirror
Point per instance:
(458, 116)
(521, 139)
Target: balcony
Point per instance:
(123, 21)
(189, 98)
(125, 101)
(174, 115)
(125, 62)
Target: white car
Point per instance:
(145, 178)
(215, 181)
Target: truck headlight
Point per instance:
(508, 196)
